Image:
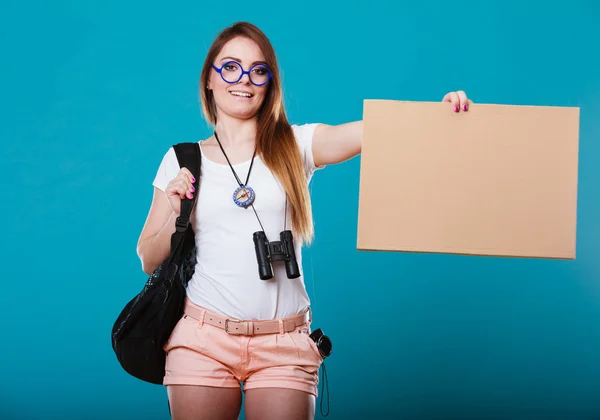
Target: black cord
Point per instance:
(285, 214)
(233, 170)
(261, 226)
(236, 176)
(323, 381)
(247, 178)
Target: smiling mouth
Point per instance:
(240, 94)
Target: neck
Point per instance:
(234, 132)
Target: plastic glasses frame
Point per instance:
(220, 71)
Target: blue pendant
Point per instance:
(243, 196)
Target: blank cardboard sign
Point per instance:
(497, 180)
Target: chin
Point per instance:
(242, 114)
(241, 111)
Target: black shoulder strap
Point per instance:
(188, 156)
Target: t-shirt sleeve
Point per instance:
(168, 169)
(304, 137)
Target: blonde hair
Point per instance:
(274, 138)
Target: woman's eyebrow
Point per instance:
(239, 61)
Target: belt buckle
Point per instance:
(227, 327)
(239, 332)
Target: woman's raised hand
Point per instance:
(179, 188)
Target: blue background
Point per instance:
(94, 92)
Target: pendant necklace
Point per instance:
(243, 196)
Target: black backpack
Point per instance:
(147, 321)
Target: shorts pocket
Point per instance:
(187, 333)
(306, 346)
(314, 347)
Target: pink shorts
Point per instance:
(201, 352)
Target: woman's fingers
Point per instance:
(187, 180)
(458, 99)
(463, 101)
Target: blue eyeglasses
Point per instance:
(232, 72)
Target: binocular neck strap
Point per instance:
(257, 218)
(284, 216)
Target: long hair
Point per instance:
(275, 140)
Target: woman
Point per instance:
(210, 352)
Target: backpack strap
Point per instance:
(188, 156)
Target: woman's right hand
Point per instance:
(179, 188)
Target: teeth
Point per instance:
(242, 94)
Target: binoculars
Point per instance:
(268, 253)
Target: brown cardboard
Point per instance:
(497, 180)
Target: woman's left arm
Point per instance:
(337, 143)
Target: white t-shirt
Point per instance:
(226, 279)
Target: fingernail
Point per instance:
(464, 107)
(456, 108)
(193, 179)
(192, 189)
(190, 195)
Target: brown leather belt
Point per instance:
(247, 327)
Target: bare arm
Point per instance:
(155, 240)
(337, 143)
